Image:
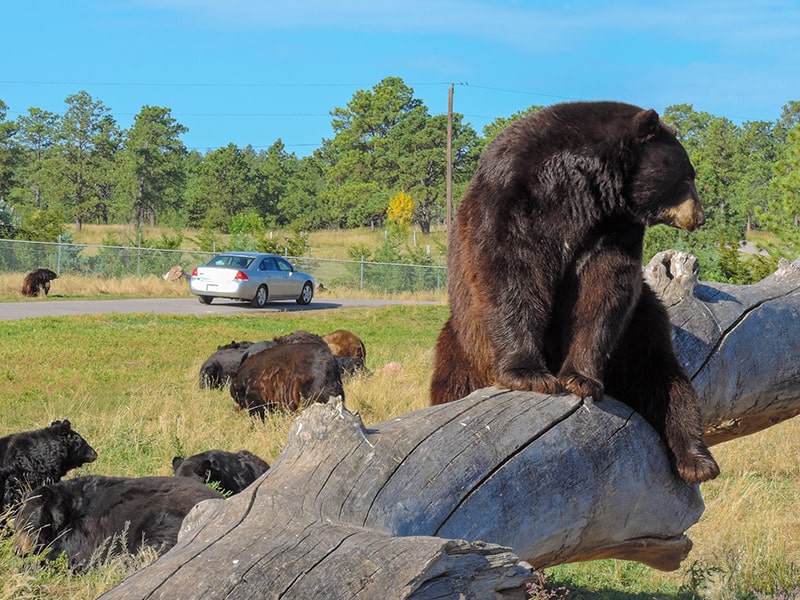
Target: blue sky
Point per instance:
(250, 72)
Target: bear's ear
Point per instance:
(646, 124)
(60, 427)
(176, 462)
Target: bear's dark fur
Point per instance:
(218, 368)
(37, 281)
(350, 367)
(233, 471)
(545, 269)
(287, 376)
(92, 518)
(32, 458)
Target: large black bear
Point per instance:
(93, 518)
(32, 458)
(545, 269)
(38, 281)
(233, 471)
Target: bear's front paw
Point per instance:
(696, 466)
(581, 385)
(530, 381)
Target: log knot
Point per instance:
(672, 275)
(787, 269)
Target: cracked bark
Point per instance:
(453, 499)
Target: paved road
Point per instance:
(170, 306)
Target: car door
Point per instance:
(269, 272)
(291, 285)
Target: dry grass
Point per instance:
(88, 286)
(325, 243)
(334, 243)
(750, 528)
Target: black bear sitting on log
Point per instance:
(545, 269)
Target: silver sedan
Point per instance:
(256, 277)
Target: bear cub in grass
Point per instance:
(545, 269)
(32, 458)
(231, 471)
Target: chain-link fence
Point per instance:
(119, 261)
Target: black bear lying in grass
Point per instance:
(287, 376)
(91, 519)
(232, 471)
(219, 369)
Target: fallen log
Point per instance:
(459, 500)
(737, 342)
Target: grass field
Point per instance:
(129, 385)
(325, 243)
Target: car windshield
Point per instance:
(234, 262)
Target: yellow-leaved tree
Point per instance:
(401, 207)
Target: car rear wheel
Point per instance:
(306, 295)
(205, 299)
(260, 299)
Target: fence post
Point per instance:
(361, 283)
(139, 257)
(58, 259)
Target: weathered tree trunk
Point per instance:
(384, 512)
(737, 342)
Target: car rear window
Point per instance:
(236, 262)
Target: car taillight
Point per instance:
(194, 273)
(240, 276)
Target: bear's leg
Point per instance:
(451, 379)
(515, 333)
(607, 287)
(645, 373)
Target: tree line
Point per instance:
(81, 167)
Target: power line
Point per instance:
(202, 84)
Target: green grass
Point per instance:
(129, 385)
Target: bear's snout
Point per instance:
(687, 215)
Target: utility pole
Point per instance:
(449, 177)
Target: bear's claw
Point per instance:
(535, 381)
(582, 386)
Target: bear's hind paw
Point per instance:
(697, 467)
